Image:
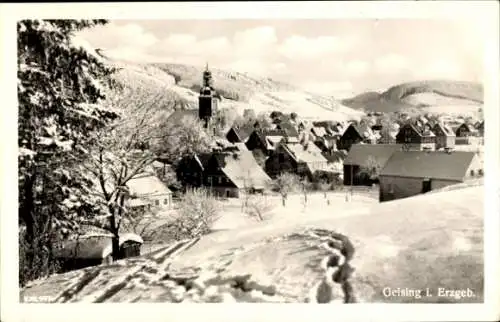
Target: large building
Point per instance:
(362, 157)
(409, 173)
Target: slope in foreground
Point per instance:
(430, 242)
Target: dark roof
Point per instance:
(243, 132)
(432, 164)
(419, 129)
(289, 128)
(359, 153)
(469, 127)
(334, 156)
(177, 116)
(202, 159)
(242, 169)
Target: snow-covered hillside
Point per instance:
(173, 86)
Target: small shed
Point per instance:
(94, 249)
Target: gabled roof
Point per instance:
(241, 146)
(334, 156)
(420, 130)
(242, 169)
(243, 132)
(202, 159)
(318, 131)
(262, 134)
(308, 153)
(177, 115)
(289, 128)
(147, 185)
(470, 127)
(432, 164)
(359, 153)
(439, 129)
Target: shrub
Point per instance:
(197, 212)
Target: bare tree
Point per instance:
(247, 187)
(371, 168)
(285, 183)
(325, 186)
(305, 185)
(258, 207)
(140, 222)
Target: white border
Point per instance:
(485, 11)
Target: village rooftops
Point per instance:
(421, 130)
(288, 128)
(242, 132)
(430, 164)
(359, 153)
(307, 153)
(242, 169)
(443, 129)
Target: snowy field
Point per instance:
(295, 212)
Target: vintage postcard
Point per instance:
(319, 153)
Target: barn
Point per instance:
(409, 173)
(364, 155)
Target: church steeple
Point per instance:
(207, 105)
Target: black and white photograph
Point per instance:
(293, 160)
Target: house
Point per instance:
(465, 130)
(362, 156)
(318, 131)
(239, 134)
(289, 128)
(147, 190)
(94, 249)
(409, 173)
(416, 137)
(352, 135)
(265, 140)
(233, 174)
(190, 169)
(465, 133)
(445, 137)
(302, 159)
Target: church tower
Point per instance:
(208, 99)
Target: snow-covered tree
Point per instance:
(59, 96)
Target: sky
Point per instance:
(339, 57)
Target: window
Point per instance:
(480, 172)
(471, 173)
(157, 202)
(165, 201)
